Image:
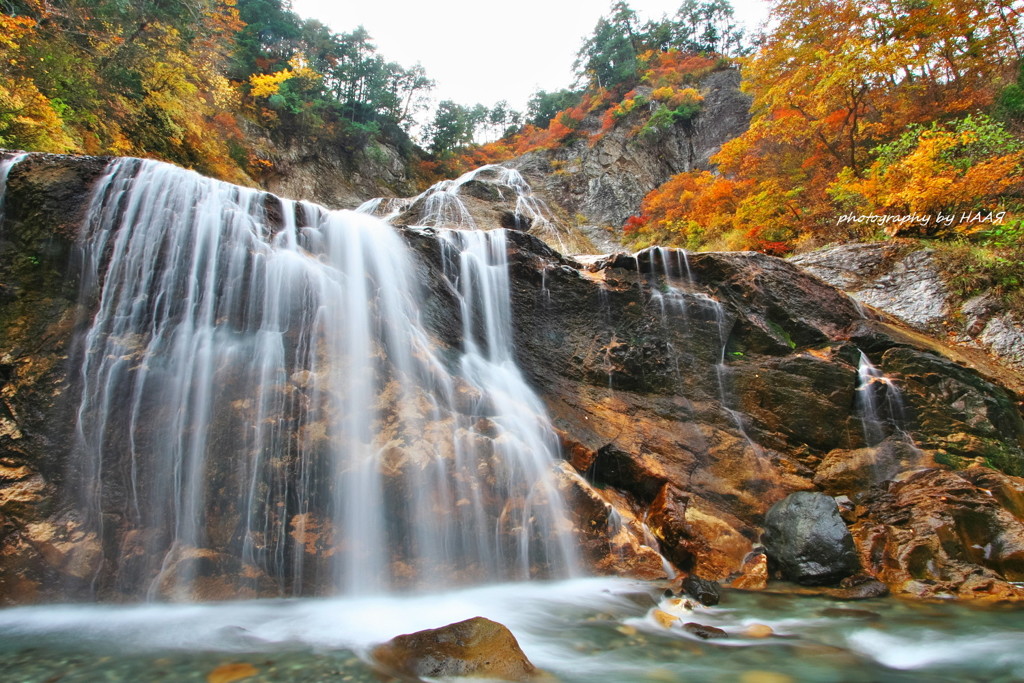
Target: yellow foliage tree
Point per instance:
(267, 85)
(969, 166)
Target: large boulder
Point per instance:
(477, 647)
(807, 541)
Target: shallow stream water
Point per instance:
(587, 630)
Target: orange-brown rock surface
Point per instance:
(477, 648)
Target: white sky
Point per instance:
(483, 51)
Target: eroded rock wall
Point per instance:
(335, 178)
(700, 413)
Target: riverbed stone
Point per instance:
(704, 632)
(807, 541)
(703, 591)
(477, 647)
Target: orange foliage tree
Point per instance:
(27, 117)
(834, 80)
(964, 168)
(125, 78)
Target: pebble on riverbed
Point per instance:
(705, 632)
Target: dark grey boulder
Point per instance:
(807, 541)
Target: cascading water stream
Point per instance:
(6, 164)
(879, 402)
(528, 444)
(262, 406)
(666, 266)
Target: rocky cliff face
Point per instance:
(576, 196)
(904, 279)
(597, 186)
(298, 170)
(689, 394)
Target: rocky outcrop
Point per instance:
(690, 394)
(904, 279)
(941, 534)
(807, 541)
(705, 396)
(576, 196)
(39, 312)
(598, 185)
(476, 648)
(335, 178)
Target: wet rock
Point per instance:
(806, 540)
(704, 632)
(939, 534)
(860, 587)
(753, 574)
(847, 510)
(703, 591)
(958, 413)
(231, 672)
(664, 619)
(510, 220)
(865, 589)
(486, 190)
(849, 471)
(611, 539)
(477, 647)
(759, 631)
(903, 279)
(695, 536)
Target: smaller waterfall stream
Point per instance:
(529, 445)
(671, 286)
(6, 164)
(879, 401)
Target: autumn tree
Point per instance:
(143, 78)
(28, 119)
(544, 106)
(834, 81)
(608, 57)
(706, 27)
(969, 165)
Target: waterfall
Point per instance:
(879, 403)
(6, 164)
(670, 285)
(262, 406)
(443, 205)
